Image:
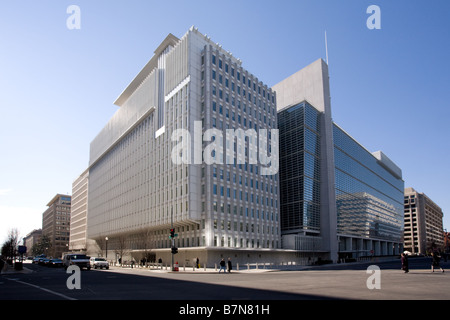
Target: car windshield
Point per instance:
(100, 259)
(78, 256)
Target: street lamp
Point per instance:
(106, 240)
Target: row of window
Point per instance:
(236, 102)
(219, 241)
(245, 227)
(252, 182)
(243, 196)
(239, 75)
(249, 212)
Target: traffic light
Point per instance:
(172, 233)
(174, 250)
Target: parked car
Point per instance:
(99, 263)
(44, 261)
(80, 260)
(36, 259)
(55, 263)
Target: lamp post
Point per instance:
(106, 240)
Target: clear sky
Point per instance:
(389, 86)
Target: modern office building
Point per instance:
(194, 147)
(166, 159)
(423, 223)
(337, 200)
(78, 218)
(56, 224)
(368, 199)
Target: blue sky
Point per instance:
(57, 86)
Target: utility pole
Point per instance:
(172, 235)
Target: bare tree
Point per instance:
(121, 248)
(146, 243)
(101, 243)
(9, 247)
(43, 246)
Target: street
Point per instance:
(347, 281)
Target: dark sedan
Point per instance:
(55, 263)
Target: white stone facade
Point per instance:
(137, 192)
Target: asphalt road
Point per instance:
(321, 283)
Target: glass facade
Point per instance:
(299, 168)
(369, 198)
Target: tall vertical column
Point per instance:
(312, 84)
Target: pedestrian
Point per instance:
(222, 266)
(436, 261)
(405, 265)
(197, 263)
(229, 265)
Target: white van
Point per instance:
(99, 263)
(81, 260)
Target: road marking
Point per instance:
(43, 289)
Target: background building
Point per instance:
(31, 239)
(338, 200)
(446, 241)
(423, 223)
(78, 217)
(56, 224)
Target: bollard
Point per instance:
(204, 267)
(237, 266)
(215, 266)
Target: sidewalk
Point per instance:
(245, 269)
(10, 270)
(191, 270)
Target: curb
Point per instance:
(13, 271)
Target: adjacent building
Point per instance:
(338, 200)
(423, 223)
(369, 193)
(56, 224)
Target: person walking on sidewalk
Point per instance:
(229, 265)
(405, 266)
(436, 261)
(222, 266)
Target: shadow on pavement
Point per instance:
(136, 287)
